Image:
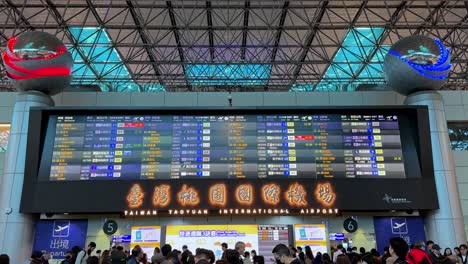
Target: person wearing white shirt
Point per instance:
(338, 252)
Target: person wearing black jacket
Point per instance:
(399, 247)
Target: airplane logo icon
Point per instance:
(61, 228)
(399, 225)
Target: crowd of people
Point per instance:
(398, 252)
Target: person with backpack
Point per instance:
(83, 256)
(418, 254)
(399, 249)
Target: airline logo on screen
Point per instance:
(242, 198)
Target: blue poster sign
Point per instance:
(59, 236)
(411, 229)
(122, 239)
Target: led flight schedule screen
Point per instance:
(139, 147)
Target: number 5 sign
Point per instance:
(110, 227)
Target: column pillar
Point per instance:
(445, 226)
(16, 229)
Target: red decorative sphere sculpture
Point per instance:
(38, 61)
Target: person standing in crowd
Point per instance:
(85, 254)
(118, 256)
(253, 253)
(240, 247)
(435, 254)
(232, 257)
(385, 256)
(318, 258)
(92, 260)
(157, 257)
(399, 248)
(36, 257)
(68, 257)
(326, 259)
(283, 254)
(45, 257)
(338, 252)
(448, 252)
(259, 260)
(429, 245)
(376, 259)
(105, 257)
(185, 255)
(342, 259)
(4, 259)
(247, 259)
(418, 255)
(302, 257)
(224, 247)
(299, 249)
(463, 254)
(456, 251)
(309, 256)
(137, 254)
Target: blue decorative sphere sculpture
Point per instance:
(38, 61)
(417, 63)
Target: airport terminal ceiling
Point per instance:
(146, 46)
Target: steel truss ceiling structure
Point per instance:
(133, 45)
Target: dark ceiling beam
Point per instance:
(19, 14)
(279, 30)
(431, 15)
(393, 20)
(310, 38)
(245, 30)
(323, 26)
(302, 5)
(209, 21)
(175, 31)
(145, 39)
(63, 25)
(352, 25)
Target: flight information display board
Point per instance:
(140, 147)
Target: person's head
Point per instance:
(253, 253)
(429, 245)
(36, 255)
(343, 259)
(354, 249)
(92, 260)
(46, 255)
(224, 246)
(246, 254)
(166, 249)
(240, 247)
(421, 245)
(91, 247)
(339, 247)
(156, 251)
(105, 253)
(68, 255)
(98, 252)
(308, 252)
(326, 257)
(120, 248)
(463, 250)
(299, 249)
(436, 249)
(204, 254)
(374, 252)
(456, 250)
(259, 260)
(447, 252)
(318, 256)
(362, 250)
(398, 247)
(184, 248)
(283, 254)
(302, 257)
(349, 250)
(137, 252)
(4, 259)
(173, 256)
(385, 250)
(232, 256)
